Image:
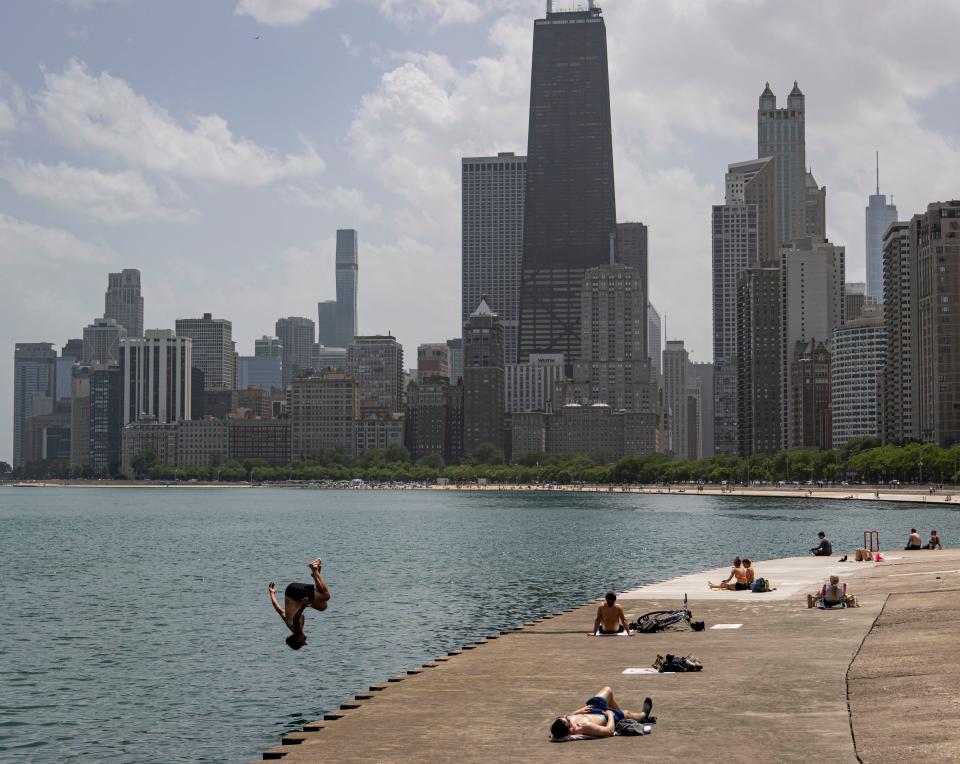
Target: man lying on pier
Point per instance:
(610, 618)
(297, 598)
(599, 717)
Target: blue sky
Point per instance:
(162, 135)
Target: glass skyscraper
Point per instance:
(570, 217)
(347, 272)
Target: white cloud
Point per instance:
(351, 47)
(443, 12)
(119, 197)
(27, 244)
(281, 12)
(350, 201)
(104, 115)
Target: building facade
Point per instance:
(570, 212)
(433, 360)
(378, 430)
(323, 409)
(348, 272)
(296, 335)
(327, 323)
(34, 388)
(123, 301)
(157, 377)
(810, 399)
(858, 357)
(654, 341)
(529, 386)
(494, 194)
(781, 133)
(879, 217)
(202, 443)
(101, 341)
(758, 362)
(812, 278)
(213, 349)
(106, 420)
(483, 380)
(376, 362)
(261, 372)
(455, 346)
(676, 364)
(900, 378)
(266, 439)
(744, 231)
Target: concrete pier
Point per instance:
(877, 683)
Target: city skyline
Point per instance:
(401, 194)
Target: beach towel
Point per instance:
(614, 634)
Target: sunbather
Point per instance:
(610, 618)
(598, 717)
(736, 581)
(832, 594)
(934, 542)
(914, 542)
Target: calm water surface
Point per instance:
(135, 624)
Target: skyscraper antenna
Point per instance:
(613, 248)
(878, 173)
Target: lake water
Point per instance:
(135, 624)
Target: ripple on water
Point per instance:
(162, 612)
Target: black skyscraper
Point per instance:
(570, 203)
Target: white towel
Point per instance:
(615, 634)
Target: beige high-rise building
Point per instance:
(376, 362)
(816, 209)
(858, 357)
(813, 308)
(157, 376)
(213, 349)
(676, 367)
(781, 133)
(323, 409)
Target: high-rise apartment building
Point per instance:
(935, 237)
(812, 308)
(900, 379)
(157, 374)
(327, 323)
(855, 296)
(80, 417)
(329, 358)
(106, 419)
(676, 366)
(296, 337)
(347, 262)
(101, 341)
(376, 362)
(613, 354)
(570, 212)
(744, 232)
(633, 251)
(324, 407)
(810, 396)
(483, 380)
(213, 349)
(758, 362)
(859, 351)
(703, 375)
(34, 389)
(879, 217)
(494, 193)
(781, 133)
(123, 301)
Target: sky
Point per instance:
(218, 145)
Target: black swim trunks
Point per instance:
(299, 591)
(738, 587)
(619, 630)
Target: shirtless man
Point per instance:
(610, 618)
(296, 599)
(599, 717)
(914, 542)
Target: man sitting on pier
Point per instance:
(824, 548)
(610, 618)
(599, 717)
(914, 542)
(297, 598)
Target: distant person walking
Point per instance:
(297, 598)
(824, 548)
